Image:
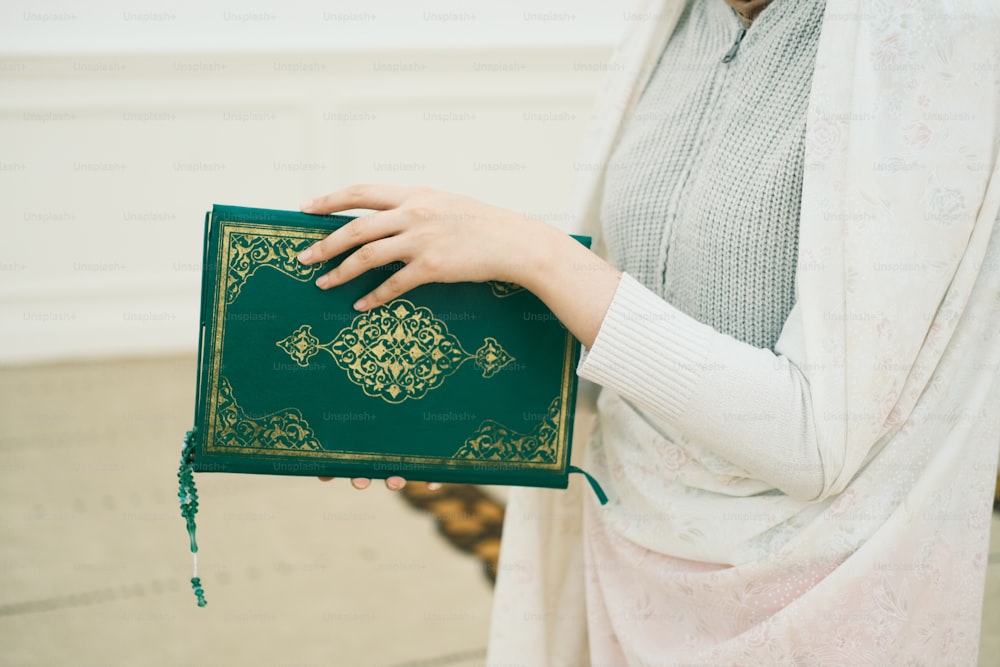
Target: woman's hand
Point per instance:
(438, 236)
(441, 237)
(446, 238)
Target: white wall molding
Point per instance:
(110, 161)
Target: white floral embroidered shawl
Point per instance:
(901, 169)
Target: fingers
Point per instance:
(359, 483)
(391, 483)
(378, 197)
(355, 233)
(367, 257)
(396, 284)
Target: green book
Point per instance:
(467, 382)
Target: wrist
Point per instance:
(544, 249)
(576, 283)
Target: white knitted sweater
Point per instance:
(701, 206)
(702, 194)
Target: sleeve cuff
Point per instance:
(647, 351)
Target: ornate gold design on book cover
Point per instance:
(493, 441)
(302, 345)
(502, 289)
(284, 429)
(396, 351)
(250, 252)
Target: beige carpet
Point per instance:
(94, 562)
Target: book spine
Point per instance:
(489, 472)
(202, 321)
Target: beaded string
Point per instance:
(187, 494)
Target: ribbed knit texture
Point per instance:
(679, 352)
(702, 194)
(701, 212)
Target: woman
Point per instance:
(794, 344)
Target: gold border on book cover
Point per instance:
(279, 246)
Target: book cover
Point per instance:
(467, 382)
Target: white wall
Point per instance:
(113, 142)
(75, 26)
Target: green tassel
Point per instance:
(187, 494)
(598, 491)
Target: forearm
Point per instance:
(708, 385)
(575, 283)
(442, 237)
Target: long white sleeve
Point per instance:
(748, 405)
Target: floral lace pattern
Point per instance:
(899, 272)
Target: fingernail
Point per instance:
(360, 304)
(306, 256)
(306, 204)
(322, 282)
(433, 486)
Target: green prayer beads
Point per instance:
(187, 495)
